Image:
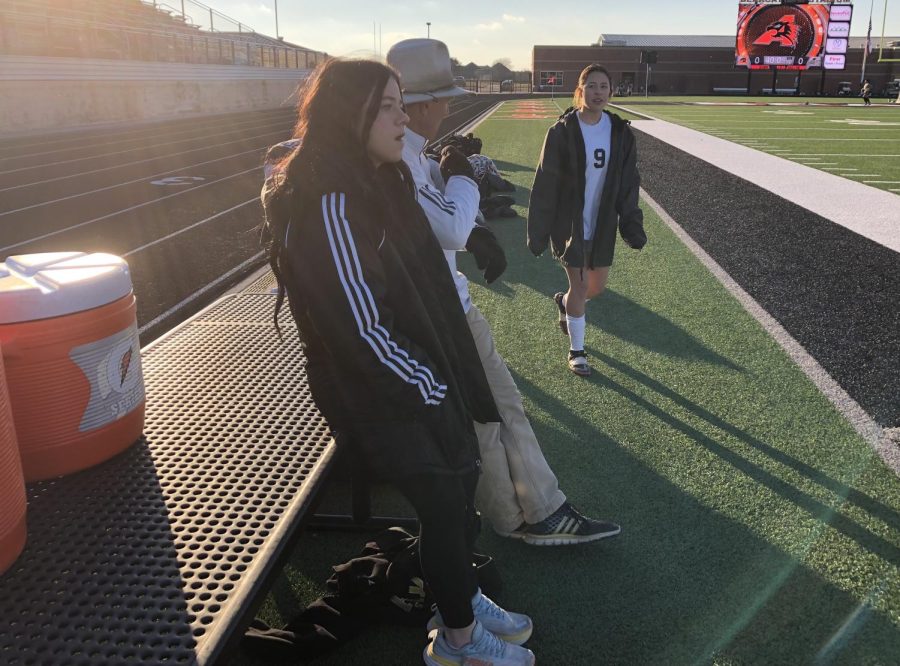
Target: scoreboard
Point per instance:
(793, 35)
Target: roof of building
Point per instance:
(706, 41)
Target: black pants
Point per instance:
(445, 506)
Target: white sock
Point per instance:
(576, 332)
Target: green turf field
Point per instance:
(758, 527)
(845, 139)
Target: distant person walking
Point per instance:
(585, 187)
(866, 92)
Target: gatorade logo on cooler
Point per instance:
(113, 368)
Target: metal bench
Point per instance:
(162, 554)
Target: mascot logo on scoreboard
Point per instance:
(782, 32)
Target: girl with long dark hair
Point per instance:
(390, 360)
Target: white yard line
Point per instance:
(124, 210)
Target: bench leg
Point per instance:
(361, 518)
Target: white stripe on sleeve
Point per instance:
(362, 304)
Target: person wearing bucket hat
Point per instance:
(518, 492)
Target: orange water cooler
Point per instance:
(68, 332)
(12, 485)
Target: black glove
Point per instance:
(489, 256)
(455, 163)
(633, 234)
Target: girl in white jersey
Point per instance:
(585, 187)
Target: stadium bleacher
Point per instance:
(137, 30)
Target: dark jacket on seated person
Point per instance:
(391, 360)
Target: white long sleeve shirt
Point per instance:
(451, 208)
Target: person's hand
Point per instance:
(455, 163)
(489, 255)
(536, 247)
(633, 234)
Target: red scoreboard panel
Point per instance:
(785, 34)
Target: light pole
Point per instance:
(428, 23)
(862, 74)
(277, 35)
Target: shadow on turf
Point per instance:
(509, 167)
(624, 318)
(711, 589)
(823, 512)
(863, 501)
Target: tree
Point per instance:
(506, 62)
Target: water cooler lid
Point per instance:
(53, 284)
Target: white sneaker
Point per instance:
(485, 649)
(578, 363)
(513, 628)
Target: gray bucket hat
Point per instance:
(424, 67)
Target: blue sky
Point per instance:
(486, 31)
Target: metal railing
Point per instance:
(26, 32)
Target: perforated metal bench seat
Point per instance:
(160, 555)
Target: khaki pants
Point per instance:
(516, 482)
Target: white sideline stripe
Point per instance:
(886, 182)
(803, 127)
(127, 182)
(841, 154)
(820, 192)
(188, 228)
(817, 139)
(197, 294)
(856, 415)
(840, 169)
(130, 150)
(149, 159)
(124, 210)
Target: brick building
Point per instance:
(699, 65)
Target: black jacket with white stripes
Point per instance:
(391, 359)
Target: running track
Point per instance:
(178, 200)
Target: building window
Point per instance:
(551, 78)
